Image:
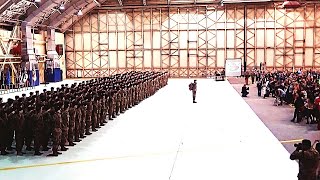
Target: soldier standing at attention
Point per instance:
(78, 121)
(64, 126)
(89, 115)
(193, 88)
(19, 125)
(38, 130)
(48, 121)
(56, 133)
(72, 121)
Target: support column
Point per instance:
(29, 61)
(53, 71)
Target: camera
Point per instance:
(298, 145)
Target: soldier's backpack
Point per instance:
(190, 86)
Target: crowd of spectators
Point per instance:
(299, 89)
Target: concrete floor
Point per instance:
(277, 118)
(168, 137)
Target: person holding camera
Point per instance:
(308, 160)
(244, 90)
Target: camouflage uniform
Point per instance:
(38, 131)
(89, 117)
(308, 163)
(83, 119)
(56, 134)
(78, 124)
(94, 116)
(3, 134)
(19, 127)
(72, 119)
(48, 122)
(64, 127)
(29, 126)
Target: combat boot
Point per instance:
(37, 153)
(63, 148)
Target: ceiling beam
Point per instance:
(120, 2)
(98, 4)
(38, 13)
(73, 19)
(5, 4)
(56, 20)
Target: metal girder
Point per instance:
(44, 11)
(6, 4)
(13, 8)
(120, 2)
(6, 50)
(98, 4)
(55, 21)
(65, 25)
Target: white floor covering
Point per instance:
(168, 137)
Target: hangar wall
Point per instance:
(194, 41)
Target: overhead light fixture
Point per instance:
(80, 13)
(62, 7)
(37, 1)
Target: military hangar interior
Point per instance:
(114, 74)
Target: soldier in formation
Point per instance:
(62, 117)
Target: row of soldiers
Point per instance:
(68, 114)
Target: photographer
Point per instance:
(308, 160)
(244, 91)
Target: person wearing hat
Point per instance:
(38, 129)
(56, 133)
(64, 125)
(19, 130)
(94, 115)
(78, 119)
(48, 121)
(3, 132)
(308, 160)
(72, 121)
(10, 125)
(193, 88)
(28, 125)
(83, 113)
(89, 115)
